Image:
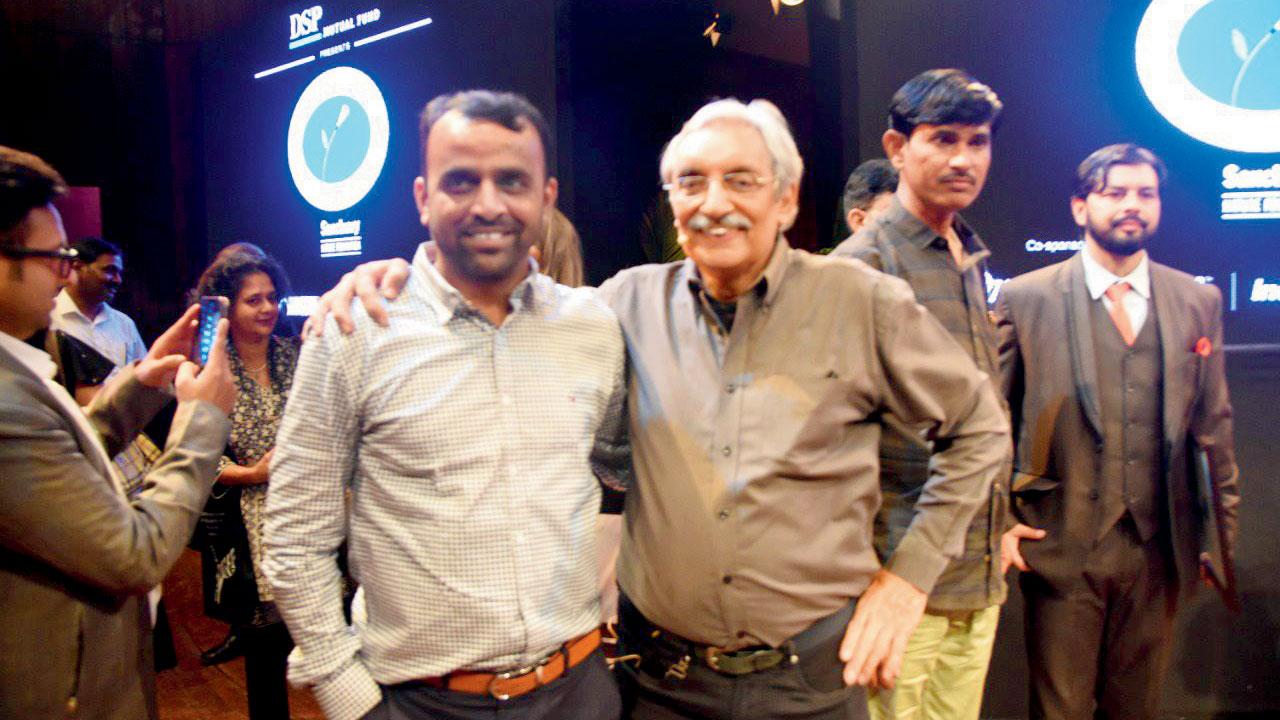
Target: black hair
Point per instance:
(92, 248)
(867, 182)
(1091, 176)
(226, 276)
(507, 109)
(943, 96)
(26, 183)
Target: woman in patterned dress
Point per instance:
(263, 364)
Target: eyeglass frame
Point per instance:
(757, 182)
(64, 255)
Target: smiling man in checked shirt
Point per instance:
(465, 433)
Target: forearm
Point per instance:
(62, 510)
(233, 474)
(123, 407)
(963, 475)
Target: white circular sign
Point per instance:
(1184, 104)
(368, 133)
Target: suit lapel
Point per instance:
(1084, 359)
(1173, 331)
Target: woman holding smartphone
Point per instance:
(262, 363)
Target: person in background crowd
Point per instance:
(1125, 462)
(466, 436)
(559, 251)
(939, 145)
(262, 364)
(761, 377)
(221, 523)
(83, 311)
(867, 192)
(77, 556)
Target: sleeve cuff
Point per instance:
(917, 563)
(348, 694)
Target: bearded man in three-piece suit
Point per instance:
(1113, 366)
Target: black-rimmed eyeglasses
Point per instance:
(63, 256)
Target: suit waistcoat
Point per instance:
(1130, 390)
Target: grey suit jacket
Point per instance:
(75, 558)
(1049, 374)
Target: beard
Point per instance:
(1120, 242)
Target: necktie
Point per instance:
(1119, 316)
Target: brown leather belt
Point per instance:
(514, 683)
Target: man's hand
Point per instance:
(169, 351)
(213, 383)
(371, 282)
(1009, 542)
(886, 615)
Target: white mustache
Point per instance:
(701, 222)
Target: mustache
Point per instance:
(482, 226)
(959, 176)
(1128, 218)
(702, 222)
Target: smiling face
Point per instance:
(942, 168)
(483, 198)
(98, 281)
(1124, 213)
(255, 309)
(730, 227)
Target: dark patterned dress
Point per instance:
(254, 422)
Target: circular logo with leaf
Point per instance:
(338, 137)
(1212, 68)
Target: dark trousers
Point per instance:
(266, 657)
(810, 689)
(1098, 640)
(586, 692)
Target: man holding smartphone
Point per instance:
(76, 556)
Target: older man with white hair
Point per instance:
(760, 377)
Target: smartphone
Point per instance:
(212, 309)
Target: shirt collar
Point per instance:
(770, 282)
(450, 302)
(1098, 278)
(922, 236)
(36, 360)
(64, 305)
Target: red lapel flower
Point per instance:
(1203, 347)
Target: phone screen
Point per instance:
(212, 309)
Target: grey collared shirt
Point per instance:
(900, 244)
(466, 450)
(755, 450)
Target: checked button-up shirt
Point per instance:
(467, 451)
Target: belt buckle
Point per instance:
(713, 657)
(536, 669)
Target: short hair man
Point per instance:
(83, 312)
(1124, 451)
(78, 557)
(760, 375)
(868, 192)
(939, 141)
(464, 435)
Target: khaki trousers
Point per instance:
(943, 670)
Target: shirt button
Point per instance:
(724, 515)
(726, 451)
(519, 538)
(506, 399)
(727, 579)
(1093, 494)
(729, 388)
